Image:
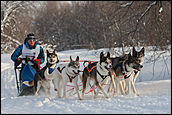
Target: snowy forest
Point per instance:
(85, 29)
(86, 24)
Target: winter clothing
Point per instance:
(36, 52)
(18, 62)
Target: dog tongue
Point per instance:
(138, 69)
(109, 69)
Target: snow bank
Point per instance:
(153, 85)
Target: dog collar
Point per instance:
(50, 70)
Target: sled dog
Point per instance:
(43, 83)
(123, 70)
(140, 58)
(116, 61)
(66, 73)
(99, 72)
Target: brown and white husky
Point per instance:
(99, 72)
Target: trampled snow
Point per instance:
(153, 86)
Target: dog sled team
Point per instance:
(121, 72)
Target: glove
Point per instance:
(37, 62)
(18, 62)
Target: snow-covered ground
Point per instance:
(153, 85)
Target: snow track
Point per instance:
(155, 96)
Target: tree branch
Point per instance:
(10, 38)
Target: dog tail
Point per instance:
(85, 62)
(29, 83)
(47, 75)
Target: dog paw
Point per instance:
(95, 96)
(63, 96)
(81, 99)
(107, 97)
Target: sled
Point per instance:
(27, 74)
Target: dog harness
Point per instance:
(91, 68)
(94, 66)
(60, 70)
(122, 70)
(102, 76)
(71, 77)
(119, 65)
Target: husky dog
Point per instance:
(44, 81)
(139, 56)
(116, 62)
(99, 72)
(66, 73)
(124, 71)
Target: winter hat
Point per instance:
(30, 36)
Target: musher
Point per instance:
(31, 51)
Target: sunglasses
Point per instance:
(32, 39)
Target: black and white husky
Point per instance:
(99, 72)
(123, 70)
(139, 56)
(65, 73)
(43, 84)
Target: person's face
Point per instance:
(31, 42)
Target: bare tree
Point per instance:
(16, 22)
(7, 8)
(99, 24)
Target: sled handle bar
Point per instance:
(16, 78)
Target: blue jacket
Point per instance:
(18, 51)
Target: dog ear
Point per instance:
(77, 58)
(108, 55)
(143, 51)
(71, 58)
(134, 51)
(57, 60)
(54, 52)
(47, 52)
(101, 55)
(129, 55)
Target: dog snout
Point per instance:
(110, 66)
(141, 66)
(79, 71)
